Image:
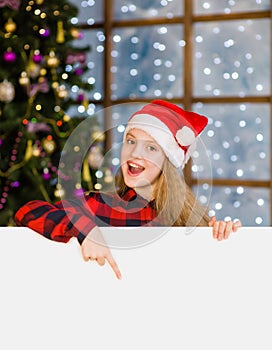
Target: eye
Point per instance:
(130, 141)
(151, 148)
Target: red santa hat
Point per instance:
(173, 128)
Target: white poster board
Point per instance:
(181, 291)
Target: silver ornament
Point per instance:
(7, 91)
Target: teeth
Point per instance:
(135, 166)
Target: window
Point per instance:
(210, 56)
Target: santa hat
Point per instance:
(173, 128)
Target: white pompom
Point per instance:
(185, 136)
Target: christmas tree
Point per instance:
(38, 66)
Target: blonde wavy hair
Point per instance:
(173, 200)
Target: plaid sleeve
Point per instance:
(54, 222)
(77, 217)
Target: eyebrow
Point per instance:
(149, 141)
(130, 134)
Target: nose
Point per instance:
(137, 151)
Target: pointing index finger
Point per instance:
(113, 265)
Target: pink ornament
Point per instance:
(37, 58)
(76, 57)
(41, 86)
(37, 127)
(80, 97)
(9, 56)
(80, 35)
(78, 71)
(46, 176)
(78, 192)
(13, 4)
(45, 33)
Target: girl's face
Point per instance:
(141, 162)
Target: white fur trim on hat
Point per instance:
(185, 136)
(161, 134)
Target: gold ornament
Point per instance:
(43, 72)
(33, 69)
(66, 118)
(95, 157)
(60, 33)
(108, 178)
(39, 2)
(24, 79)
(55, 85)
(29, 151)
(49, 145)
(98, 187)
(97, 135)
(36, 151)
(7, 91)
(86, 174)
(62, 91)
(74, 32)
(59, 192)
(85, 102)
(10, 26)
(52, 61)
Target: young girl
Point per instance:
(158, 141)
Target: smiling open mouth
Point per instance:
(135, 169)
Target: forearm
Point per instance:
(54, 221)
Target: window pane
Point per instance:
(147, 61)
(237, 141)
(232, 58)
(250, 205)
(230, 6)
(124, 9)
(90, 11)
(95, 39)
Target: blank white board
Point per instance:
(183, 290)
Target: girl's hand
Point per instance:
(222, 229)
(94, 248)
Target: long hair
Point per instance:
(174, 201)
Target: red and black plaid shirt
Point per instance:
(77, 217)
